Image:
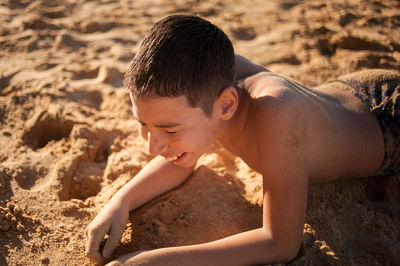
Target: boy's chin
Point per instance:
(185, 165)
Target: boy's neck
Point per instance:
(233, 128)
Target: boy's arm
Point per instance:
(285, 186)
(157, 177)
(244, 67)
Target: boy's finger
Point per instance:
(92, 247)
(97, 259)
(94, 256)
(112, 241)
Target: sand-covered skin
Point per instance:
(68, 140)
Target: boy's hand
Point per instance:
(112, 219)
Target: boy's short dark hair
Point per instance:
(183, 55)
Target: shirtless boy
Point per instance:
(185, 98)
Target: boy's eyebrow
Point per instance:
(167, 125)
(170, 125)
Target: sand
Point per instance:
(69, 142)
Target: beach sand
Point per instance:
(69, 142)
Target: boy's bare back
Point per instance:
(336, 132)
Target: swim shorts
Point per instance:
(380, 90)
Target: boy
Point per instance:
(184, 96)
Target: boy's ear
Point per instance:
(227, 103)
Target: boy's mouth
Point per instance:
(176, 157)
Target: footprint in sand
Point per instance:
(111, 75)
(80, 174)
(37, 22)
(5, 81)
(353, 42)
(84, 72)
(54, 12)
(29, 178)
(245, 33)
(67, 41)
(91, 98)
(96, 26)
(44, 128)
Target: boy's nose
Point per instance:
(154, 146)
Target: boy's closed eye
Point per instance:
(172, 132)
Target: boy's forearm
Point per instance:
(248, 248)
(156, 178)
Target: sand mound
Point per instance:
(68, 141)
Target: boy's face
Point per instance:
(174, 129)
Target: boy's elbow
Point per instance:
(286, 251)
(289, 254)
(281, 250)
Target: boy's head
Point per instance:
(183, 55)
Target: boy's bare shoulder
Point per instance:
(273, 95)
(264, 83)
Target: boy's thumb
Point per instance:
(112, 241)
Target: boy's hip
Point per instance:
(380, 90)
